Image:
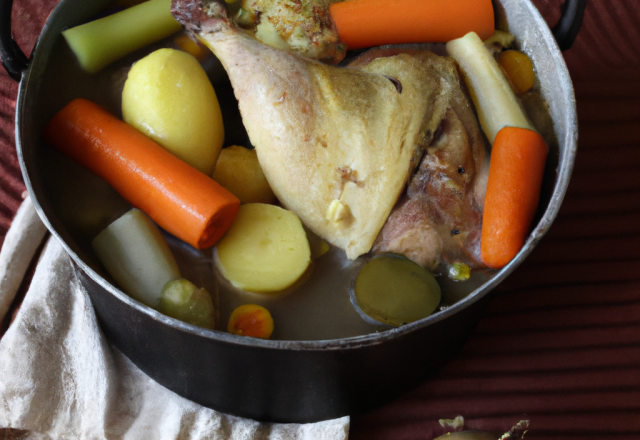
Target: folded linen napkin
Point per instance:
(60, 378)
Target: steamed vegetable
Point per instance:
(366, 23)
(179, 198)
(99, 43)
(183, 300)
(518, 154)
(169, 97)
(394, 290)
(239, 171)
(265, 250)
(519, 70)
(137, 256)
(251, 320)
(515, 176)
(495, 102)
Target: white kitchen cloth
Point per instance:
(60, 378)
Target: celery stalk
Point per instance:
(99, 43)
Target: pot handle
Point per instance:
(13, 59)
(570, 22)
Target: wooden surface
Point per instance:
(561, 345)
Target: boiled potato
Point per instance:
(265, 250)
(169, 97)
(238, 171)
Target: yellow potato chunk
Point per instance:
(238, 170)
(265, 250)
(169, 97)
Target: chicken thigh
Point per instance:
(339, 145)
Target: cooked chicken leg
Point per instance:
(337, 145)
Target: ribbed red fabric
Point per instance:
(561, 345)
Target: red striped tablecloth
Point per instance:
(561, 345)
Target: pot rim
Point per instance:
(559, 190)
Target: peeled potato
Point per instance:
(265, 249)
(238, 170)
(169, 97)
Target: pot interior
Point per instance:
(76, 205)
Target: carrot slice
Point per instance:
(179, 198)
(366, 23)
(515, 176)
(251, 320)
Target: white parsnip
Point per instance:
(495, 102)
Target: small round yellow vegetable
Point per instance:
(265, 249)
(238, 170)
(169, 97)
(251, 320)
(518, 68)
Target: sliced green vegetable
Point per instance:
(137, 256)
(183, 300)
(394, 290)
(101, 42)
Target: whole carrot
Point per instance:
(515, 176)
(518, 154)
(179, 198)
(366, 23)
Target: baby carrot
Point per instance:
(366, 23)
(251, 320)
(179, 198)
(513, 190)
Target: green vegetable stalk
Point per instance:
(101, 42)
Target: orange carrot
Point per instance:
(179, 198)
(366, 23)
(251, 320)
(513, 190)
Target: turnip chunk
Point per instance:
(137, 256)
(103, 41)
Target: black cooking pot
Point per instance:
(268, 380)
